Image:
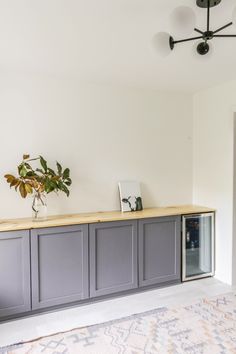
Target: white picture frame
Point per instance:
(130, 196)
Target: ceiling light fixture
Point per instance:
(183, 19)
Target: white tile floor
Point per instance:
(46, 324)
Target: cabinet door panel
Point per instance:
(159, 250)
(59, 265)
(14, 273)
(113, 257)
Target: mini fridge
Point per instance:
(198, 246)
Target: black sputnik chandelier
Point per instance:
(183, 20)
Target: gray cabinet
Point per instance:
(113, 257)
(159, 250)
(59, 261)
(14, 273)
(53, 266)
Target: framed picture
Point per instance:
(130, 196)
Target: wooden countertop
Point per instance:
(89, 218)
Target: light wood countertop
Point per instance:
(89, 218)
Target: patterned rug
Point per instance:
(205, 327)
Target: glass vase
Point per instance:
(39, 207)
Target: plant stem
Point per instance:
(34, 210)
(37, 158)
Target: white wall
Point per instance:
(213, 167)
(104, 134)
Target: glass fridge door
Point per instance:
(198, 246)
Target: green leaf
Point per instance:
(59, 168)
(51, 172)
(66, 173)
(62, 187)
(22, 170)
(50, 185)
(30, 174)
(53, 185)
(43, 163)
(66, 190)
(68, 183)
(47, 185)
(27, 165)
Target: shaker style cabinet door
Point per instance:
(159, 250)
(113, 257)
(14, 273)
(59, 261)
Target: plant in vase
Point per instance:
(39, 182)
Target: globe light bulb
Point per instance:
(161, 44)
(182, 21)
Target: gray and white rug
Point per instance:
(204, 327)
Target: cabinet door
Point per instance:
(159, 250)
(198, 246)
(59, 258)
(113, 257)
(14, 273)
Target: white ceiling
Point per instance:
(110, 41)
